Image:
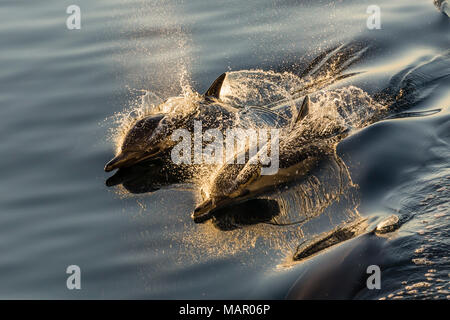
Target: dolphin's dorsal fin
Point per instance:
(214, 89)
(304, 109)
(303, 112)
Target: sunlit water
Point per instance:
(60, 95)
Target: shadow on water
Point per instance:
(148, 176)
(313, 204)
(250, 212)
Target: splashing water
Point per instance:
(327, 192)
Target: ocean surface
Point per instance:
(63, 92)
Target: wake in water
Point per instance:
(443, 6)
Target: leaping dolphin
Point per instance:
(299, 152)
(150, 137)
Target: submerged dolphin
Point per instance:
(342, 273)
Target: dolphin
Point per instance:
(342, 273)
(150, 137)
(299, 152)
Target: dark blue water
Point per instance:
(60, 88)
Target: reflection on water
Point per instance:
(312, 204)
(149, 176)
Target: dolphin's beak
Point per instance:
(127, 159)
(201, 213)
(120, 160)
